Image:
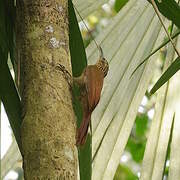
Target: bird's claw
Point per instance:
(66, 74)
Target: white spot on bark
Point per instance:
(54, 42)
(60, 9)
(62, 43)
(49, 29)
(69, 153)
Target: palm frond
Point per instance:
(166, 106)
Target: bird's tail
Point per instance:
(83, 130)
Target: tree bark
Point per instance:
(48, 127)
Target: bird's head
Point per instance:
(103, 65)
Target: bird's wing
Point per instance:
(94, 84)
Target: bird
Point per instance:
(91, 84)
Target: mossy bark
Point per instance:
(48, 128)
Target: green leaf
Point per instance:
(136, 149)
(119, 4)
(85, 159)
(79, 62)
(7, 15)
(77, 50)
(141, 125)
(170, 9)
(137, 140)
(125, 173)
(10, 98)
(172, 69)
(175, 34)
(8, 92)
(166, 168)
(3, 33)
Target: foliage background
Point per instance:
(98, 23)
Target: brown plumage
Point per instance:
(91, 83)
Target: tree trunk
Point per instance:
(49, 127)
